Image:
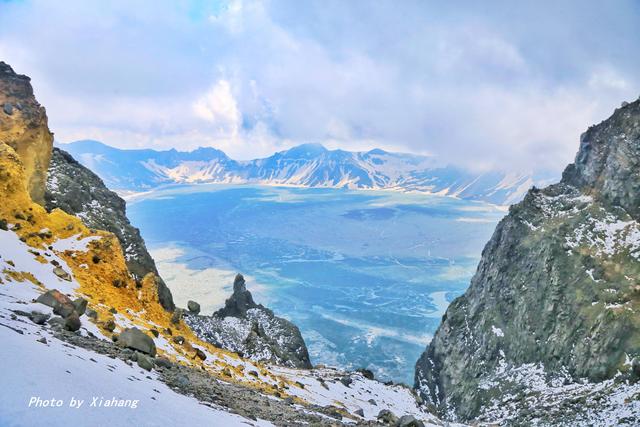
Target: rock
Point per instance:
(368, 374)
(92, 314)
(409, 421)
(39, 318)
(359, 412)
(60, 303)
(110, 325)
(80, 305)
(194, 307)
(635, 366)
(72, 187)
(624, 104)
(373, 402)
(200, 354)
(530, 300)
(135, 339)
(72, 322)
(178, 339)
(346, 381)
(42, 340)
(56, 322)
(145, 362)
(177, 316)
(270, 338)
(385, 416)
(59, 271)
(3, 224)
(163, 362)
(154, 332)
(7, 108)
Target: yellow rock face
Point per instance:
(23, 126)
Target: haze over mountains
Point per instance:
(307, 165)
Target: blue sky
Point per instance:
(485, 84)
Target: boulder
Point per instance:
(368, 374)
(39, 318)
(176, 317)
(409, 421)
(72, 322)
(110, 325)
(59, 271)
(194, 307)
(145, 362)
(7, 108)
(60, 303)
(135, 339)
(387, 417)
(359, 412)
(163, 362)
(80, 305)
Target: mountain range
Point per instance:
(307, 165)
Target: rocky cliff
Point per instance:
(551, 316)
(252, 330)
(23, 126)
(78, 191)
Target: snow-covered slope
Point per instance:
(307, 165)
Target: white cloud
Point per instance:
(219, 108)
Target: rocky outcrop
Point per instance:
(78, 191)
(554, 302)
(23, 126)
(251, 330)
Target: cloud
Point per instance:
(480, 85)
(219, 108)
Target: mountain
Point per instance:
(552, 316)
(307, 165)
(78, 322)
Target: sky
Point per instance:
(486, 85)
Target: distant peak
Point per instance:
(377, 151)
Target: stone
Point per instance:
(145, 362)
(359, 412)
(200, 354)
(56, 322)
(409, 421)
(368, 374)
(177, 316)
(154, 332)
(92, 314)
(72, 322)
(346, 381)
(80, 305)
(7, 108)
(385, 416)
(110, 325)
(60, 303)
(163, 362)
(39, 318)
(135, 339)
(373, 402)
(59, 271)
(178, 339)
(194, 307)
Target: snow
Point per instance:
(497, 331)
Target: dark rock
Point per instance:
(241, 300)
(373, 402)
(177, 316)
(56, 322)
(3, 224)
(7, 108)
(385, 416)
(178, 339)
(80, 305)
(163, 362)
(201, 354)
(135, 339)
(145, 362)
(194, 307)
(110, 325)
(359, 412)
(409, 421)
(72, 322)
(39, 318)
(42, 340)
(346, 381)
(366, 373)
(154, 332)
(92, 314)
(72, 187)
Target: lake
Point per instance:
(365, 275)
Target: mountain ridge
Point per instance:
(306, 165)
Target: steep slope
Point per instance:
(307, 165)
(23, 126)
(78, 191)
(252, 330)
(67, 294)
(551, 316)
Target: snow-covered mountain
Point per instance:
(307, 165)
